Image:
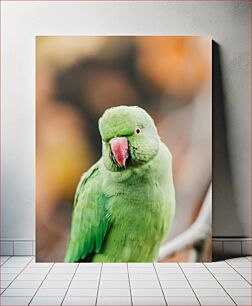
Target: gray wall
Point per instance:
(229, 25)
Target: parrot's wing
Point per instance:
(90, 221)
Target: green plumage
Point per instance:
(123, 214)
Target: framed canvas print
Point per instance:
(123, 148)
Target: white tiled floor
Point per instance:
(24, 282)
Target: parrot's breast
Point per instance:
(141, 209)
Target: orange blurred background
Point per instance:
(77, 79)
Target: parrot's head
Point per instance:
(129, 136)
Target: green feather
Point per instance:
(89, 217)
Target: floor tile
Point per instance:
(63, 270)
(79, 301)
(149, 270)
(195, 270)
(119, 269)
(174, 276)
(145, 284)
(190, 300)
(4, 259)
(248, 277)
(235, 284)
(93, 264)
(55, 284)
(118, 276)
(82, 292)
(19, 292)
(40, 265)
(243, 270)
(241, 264)
(141, 267)
(146, 292)
(243, 300)
(139, 276)
(47, 300)
(58, 277)
(174, 284)
(178, 292)
(5, 283)
(21, 258)
(227, 270)
(114, 264)
(206, 300)
(14, 300)
(210, 292)
(166, 264)
(102, 300)
(84, 284)
(139, 264)
(204, 284)
(63, 265)
(114, 292)
(192, 264)
(169, 270)
(239, 291)
(114, 284)
(29, 276)
(201, 276)
(172, 270)
(51, 292)
(228, 276)
(30, 270)
(9, 276)
(89, 269)
(84, 276)
(14, 264)
(25, 284)
(217, 264)
(8, 270)
(147, 300)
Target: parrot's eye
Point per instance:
(138, 131)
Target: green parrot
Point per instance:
(125, 203)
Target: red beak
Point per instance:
(119, 148)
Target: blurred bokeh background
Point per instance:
(77, 79)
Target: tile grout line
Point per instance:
(129, 284)
(41, 282)
(220, 284)
(96, 300)
(16, 276)
(239, 273)
(69, 285)
(247, 259)
(9, 257)
(189, 284)
(160, 283)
